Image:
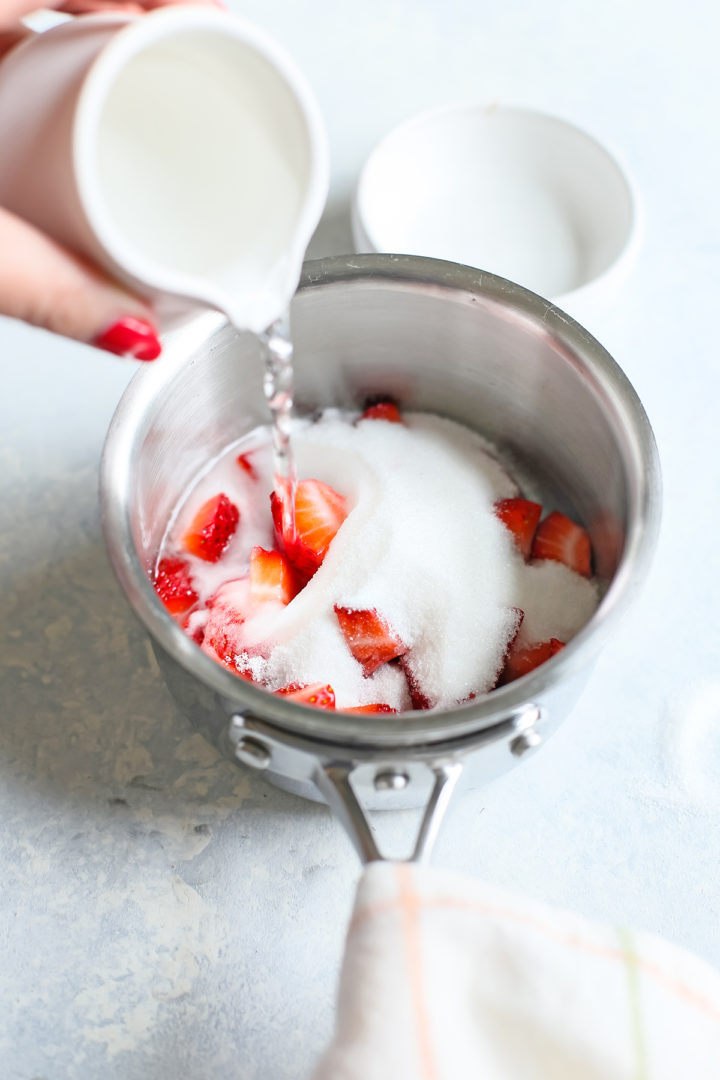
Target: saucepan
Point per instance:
(438, 337)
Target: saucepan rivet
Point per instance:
(526, 740)
(237, 726)
(391, 780)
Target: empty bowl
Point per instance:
(515, 192)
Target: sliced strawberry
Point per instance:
(245, 668)
(228, 609)
(521, 517)
(173, 584)
(221, 658)
(194, 625)
(369, 638)
(560, 539)
(230, 662)
(512, 641)
(320, 695)
(246, 465)
(521, 661)
(212, 528)
(520, 615)
(379, 708)
(271, 577)
(418, 698)
(319, 513)
(383, 410)
(509, 648)
(242, 672)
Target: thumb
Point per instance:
(43, 284)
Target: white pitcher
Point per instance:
(181, 150)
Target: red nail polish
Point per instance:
(130, 337)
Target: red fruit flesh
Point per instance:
(512, 641)
(242, 672)
(230, 663)
(194, 625)
(319, 513)
(212, 528)
(246, 465)
(418, 699)
(560, 539)
(522, 661)
(378, 708)
(271, 577)
(319, 695)
(173, 584)
(510, 647)
(223, 632)
(520, 614)
(521, 517)
(369, 638)
(383, 410)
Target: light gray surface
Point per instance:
(164, 914)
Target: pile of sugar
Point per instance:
(421, 545)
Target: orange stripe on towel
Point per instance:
(572, 941)
(411, 906)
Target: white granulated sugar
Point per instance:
(556, 601)
(320, 654)
(255, 665)
(421, 545)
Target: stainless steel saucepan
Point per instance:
(441, 338)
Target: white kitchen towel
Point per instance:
(445, 978)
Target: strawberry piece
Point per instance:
(512, 641)
(194, 625)
(319, 513)
(520, 615)
(369, 638)
(418, 698)
(320, 695)
(212, 528)
(238, 669)
(231, 664)
(246, 465)
(271, 577)
(521, 661)
(239, 664)
(560, 539)
(173, 584)
(223, 632)
(521, 517)
(509, 648)
(383, 410)
(375, 708)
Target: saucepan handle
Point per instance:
(334, 781)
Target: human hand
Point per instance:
(48, 286)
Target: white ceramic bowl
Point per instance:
(515, 192)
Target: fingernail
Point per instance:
(131, 337)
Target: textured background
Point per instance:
(161, 912)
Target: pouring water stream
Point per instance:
(277, 353)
